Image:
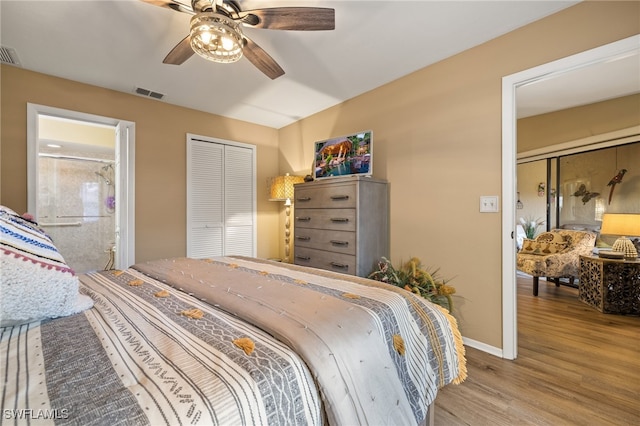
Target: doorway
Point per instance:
(80, 185)
(617, 50)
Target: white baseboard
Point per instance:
(492, 350)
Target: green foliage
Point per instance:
(412, 276)
(531, 226)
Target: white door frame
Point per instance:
(125, 168)
(510, 83)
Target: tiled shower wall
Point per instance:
(76, 211)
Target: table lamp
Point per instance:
(623, 225)
(281, 189)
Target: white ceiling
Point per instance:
(120, 44)
(593, 83)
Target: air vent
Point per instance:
(9, 56)
(149, 93)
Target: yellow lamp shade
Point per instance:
(281, 187)
(623, 225)
(627, 225)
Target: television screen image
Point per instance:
(344, 155)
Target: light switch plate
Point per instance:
(489, 204)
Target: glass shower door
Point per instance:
(76, 207)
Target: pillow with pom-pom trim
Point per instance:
(35, 281)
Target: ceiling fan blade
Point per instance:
(170, 4)
(290, 18)
(180, 53)
(261, 59)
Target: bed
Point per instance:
(221, 341)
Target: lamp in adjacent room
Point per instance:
(623, 225)
(281, 189)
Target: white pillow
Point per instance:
(35, 281)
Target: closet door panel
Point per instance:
(239, 241)
(238, 186)
(205, 202)
(206, 242)
(220, 198)
(238, 201)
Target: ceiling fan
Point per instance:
(216, 32)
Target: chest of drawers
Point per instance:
(341, 224)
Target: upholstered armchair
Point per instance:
(554, 254)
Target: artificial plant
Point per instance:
(412, 276)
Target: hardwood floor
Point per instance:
(575, 366)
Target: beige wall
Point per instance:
(437, 139)
(52, 129)
(160, 151)
(529, 177)
(578, 123)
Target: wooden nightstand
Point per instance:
(611, 286)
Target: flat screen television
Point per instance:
(344, 155)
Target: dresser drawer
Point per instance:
(337, 262)
(326, 196)
(336, 241)
(331, 219)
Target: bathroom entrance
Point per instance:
(80, 186)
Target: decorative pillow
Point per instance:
(542, 248)
(36, 282)
(550, 237)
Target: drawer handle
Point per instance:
(339, 265)
(303, 199)
(305, 258)
(339, 197)
(339, 219)
(303, 219)
(339, 243)
(302, 238)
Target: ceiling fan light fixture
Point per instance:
(216, 37)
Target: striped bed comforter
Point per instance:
(231, 341)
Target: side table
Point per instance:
(611, 286)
